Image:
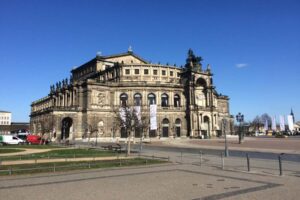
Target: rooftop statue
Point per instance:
(193, 62)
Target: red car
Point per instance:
(34, 139)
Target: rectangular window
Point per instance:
(163, 72)
(171, 73)
(136, 71)
(178, 74)
(146, 71)
(127, 71)
(155, 72)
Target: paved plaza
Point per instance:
(258, 144)
(186, 176)
(169, 181)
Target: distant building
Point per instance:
(7, 127)
(188, 104)
(14, 127)
(297, 126)
(5, 117)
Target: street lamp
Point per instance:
(224, 131)
(240, 119)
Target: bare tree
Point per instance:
(130, 119)
(92, 126)
(256, 122)
(259, 121)
(47, 125)
(266, 118)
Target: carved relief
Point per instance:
(97, 99)
(101, 99)
(200, 98)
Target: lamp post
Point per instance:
(224, 131)
(240, 119)
(96, 138)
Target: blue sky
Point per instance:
(253, 46)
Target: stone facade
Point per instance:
(187, 103)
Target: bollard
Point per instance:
(89, 165)
(280, 165)
(10, 171)
(222, 157)
(248, 162)
(20, 157)
(54, 168)
(120, 164)
(200, 153)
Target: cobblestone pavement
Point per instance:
(188, 176)
(169, 181)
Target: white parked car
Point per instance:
(11, 139)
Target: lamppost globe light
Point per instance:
(240, 119)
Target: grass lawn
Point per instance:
(2, 150)
(62, 153)
(67, 166)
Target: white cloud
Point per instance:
(241, 65)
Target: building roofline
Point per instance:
(124, 54)
(3, 111)
(102, 58)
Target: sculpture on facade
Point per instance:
(193, 62)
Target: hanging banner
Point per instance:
(274, 123)
(290, 122)
(122, 114)
(282, 123)
(137, 110)
(153, 123)
(266, 127)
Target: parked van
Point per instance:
(10, 139)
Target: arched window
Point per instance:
(176, 100)
(201, 82)
(137, 99)
(164, 100)
(151, 99)
(177, 127)
(165, 127)
(123, 99)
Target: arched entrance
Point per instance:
(123, 132)
(177, 127)
(66, 125)
(137, 132)
(165, 128)
(206, 127)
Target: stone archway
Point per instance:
(206, 127)
(178, 127)
(165, 127)
(123, 132)
(66, 126)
